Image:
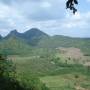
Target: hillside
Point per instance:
(14, 45)
(21, 43)
(64, 41)
(0, 37)
(32, 36)
(57, 61)
(36, 38)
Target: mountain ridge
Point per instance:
(15, 33)
(1, 37)
(14, 45)
(36, 38)
(32, 36)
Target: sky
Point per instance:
(49, 16)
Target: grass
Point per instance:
(50, 67)
(56, 75)
(66, 82)
(34, 65)
(46, 64)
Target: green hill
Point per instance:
(36, 54)
(14, 45)
(64, 41)
(16, 42)
(0, 37)
(32, 36)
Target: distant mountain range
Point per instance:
(0, 37)
(14, 45)
(16, 42)
(31, 36)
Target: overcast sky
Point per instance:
(49, 16)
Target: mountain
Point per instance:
(34, 33)
(22, 42)
(32, 36)
(14, 45)
(1, 37)
(64, 41)
(14, 33)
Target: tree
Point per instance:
(7, 69)
(8, 80)
(70, 5)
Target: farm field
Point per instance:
(44, 62)
(53, 71)
(67, 82)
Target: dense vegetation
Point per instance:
(21, 43)
(37, 61)
(14, 45)
(7, 75)
(9, 80)
(63, 41)
(51, 70)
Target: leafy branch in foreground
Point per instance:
(70, 5)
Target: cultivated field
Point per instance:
(54, 71)
(67, 82)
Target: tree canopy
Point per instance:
(70, 4)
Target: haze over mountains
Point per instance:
(22, 42)
(28, 34)
(0, 37)
(31, 36)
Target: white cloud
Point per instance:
(11, 18)
(45, 5)
(48, 15)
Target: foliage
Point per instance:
(6, 67)
(7, 75)
(8, 81)
(70, 5)
(41, 60)
(63, 41)
(14, 44)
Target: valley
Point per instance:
(59, 62)
(53, 71)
